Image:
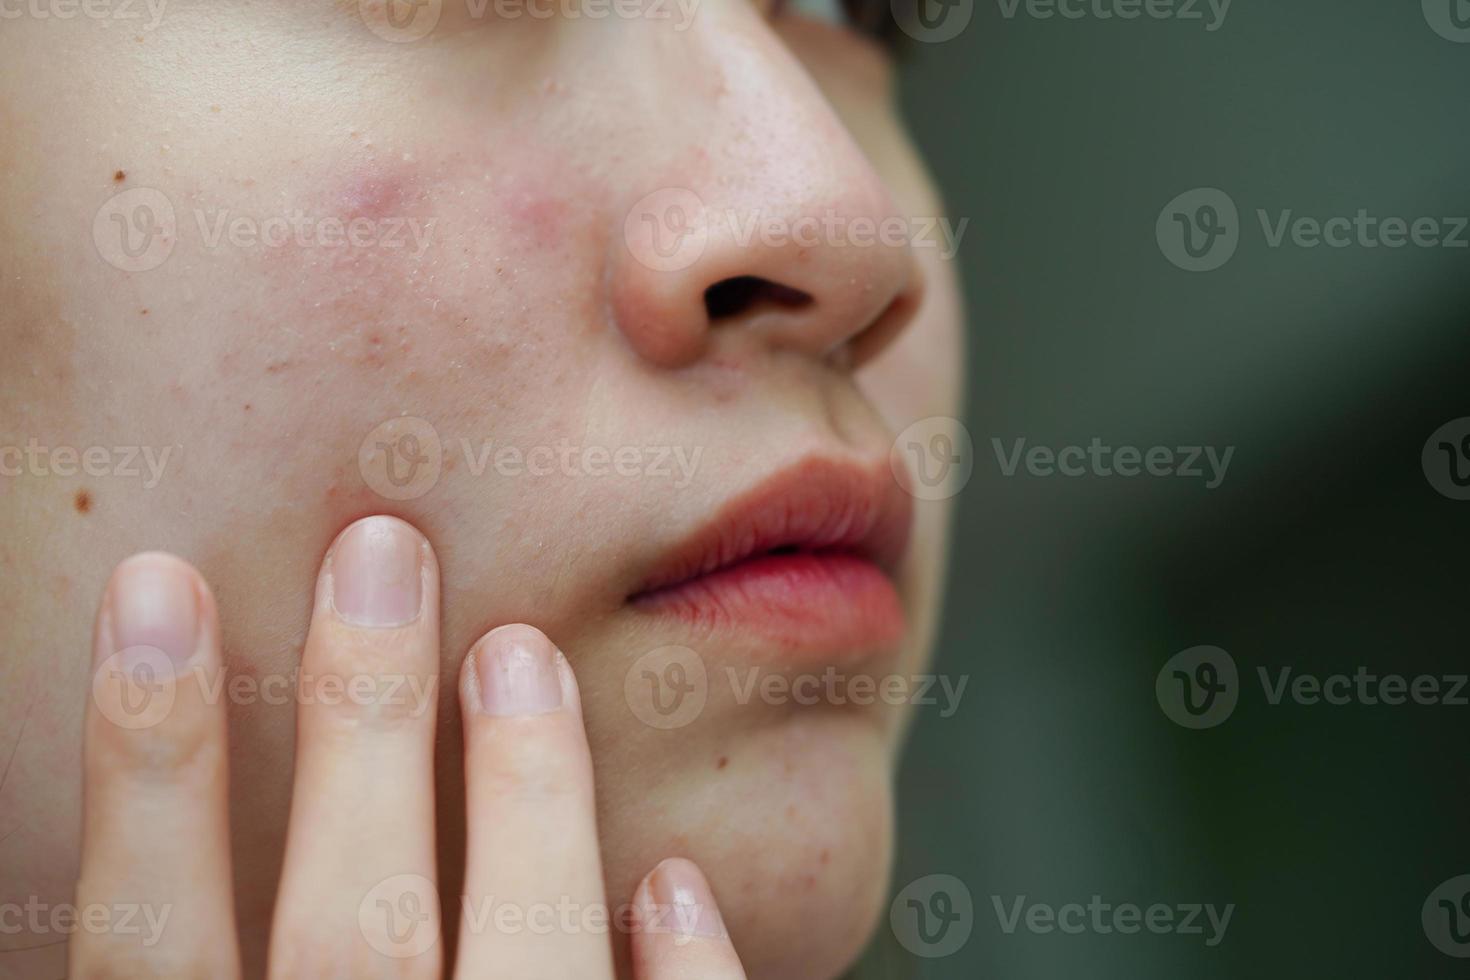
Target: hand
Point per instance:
(358, 895)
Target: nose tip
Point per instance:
(826, 275)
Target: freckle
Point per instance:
(826, 856)
(724, 761)
(247, 406)
(82, 501)
(120, 176)
(143, 312)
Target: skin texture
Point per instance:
(529, 319)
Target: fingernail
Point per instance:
(683, 902)
(376, 573)
(518, 675)
(153, 604)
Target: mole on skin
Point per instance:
(82, 501)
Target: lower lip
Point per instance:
(821, 605)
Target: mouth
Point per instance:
(805, 559)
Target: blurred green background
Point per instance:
(1325, 549)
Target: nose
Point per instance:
(764, 219)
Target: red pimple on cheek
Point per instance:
(375, 193)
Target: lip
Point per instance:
(805, 558)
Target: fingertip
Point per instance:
(156, 601)
(380, 572)
(516, 670)
(675, 897)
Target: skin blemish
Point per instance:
(120, 176)
(724, 761)
(82, 501)
(376, 193)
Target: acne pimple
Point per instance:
(375, 193)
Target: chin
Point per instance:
(792, 817)
(788, 807)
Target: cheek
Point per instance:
(444, 289)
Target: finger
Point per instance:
(358, 895)
(679, 932)
(154, 898)
(533, 902)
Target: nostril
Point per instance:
(742, 294)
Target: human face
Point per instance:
(638, 281)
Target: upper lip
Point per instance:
(816, 505)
